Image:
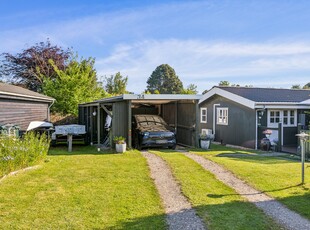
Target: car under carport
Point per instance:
(180, 111)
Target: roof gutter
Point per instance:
(26, 96)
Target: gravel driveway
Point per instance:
(180, 214)
(284, 216)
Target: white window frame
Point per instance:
(222, 116)
(202, 116)
(281, 118)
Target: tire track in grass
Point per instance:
(216, 203)
(284, 216)
(180, 214)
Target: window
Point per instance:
(287, 117)
(222, 116)
(203, 115)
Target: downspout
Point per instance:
(49, 110)
(214, 105)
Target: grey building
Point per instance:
(240, 115)
(20, 106)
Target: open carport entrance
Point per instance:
(179, 111)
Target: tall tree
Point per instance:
(26, 68)
(306, 86)
(116, 84)
(74, 85)
(165, 80)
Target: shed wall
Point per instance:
(181, 115)
(241, 122)
(22, 113)
(120, 119)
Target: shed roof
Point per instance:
(270, 94)
(147, 98)
(257, 97)
(12, 91)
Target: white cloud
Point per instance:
(206, 63)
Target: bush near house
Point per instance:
(20, 153)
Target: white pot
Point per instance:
(120, 148)
(205, 144)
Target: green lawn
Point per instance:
(277, 176)
(82, 190)
(218, 205)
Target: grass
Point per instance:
(277, 176)
(217, 204)
(82, 190)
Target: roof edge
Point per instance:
(230, 96)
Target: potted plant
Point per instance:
(205, 140)
(120, 144)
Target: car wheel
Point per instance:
(137, 145)
(172, 147)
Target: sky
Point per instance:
(263, 43)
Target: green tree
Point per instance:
(116, 84)
(224, 83)
(165, 80)
(74, 85)
(306, 86)
(296, 87)
(191, 89)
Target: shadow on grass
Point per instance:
(78, 150)
(230, 215)
(265, 191)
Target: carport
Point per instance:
(178, 110)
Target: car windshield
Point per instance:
(149, 120)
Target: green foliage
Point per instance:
(306, 86)
(296, 87)
(74, 85)
(164, 80)
(224, 83)
(119, 140)
(116, 84)
(191, 89)
(20, 153)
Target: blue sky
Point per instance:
(259, 43)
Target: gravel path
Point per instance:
(287, 218)
(180, 214)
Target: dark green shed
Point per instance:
(179, 111)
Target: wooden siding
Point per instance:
(181, 115)
(22, 113)
(120, 119)
(241, 122)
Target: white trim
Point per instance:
(214, 114)
(217, 115)
(206, 115)
(26, 96)
(229, 96)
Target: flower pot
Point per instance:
(120, 148)
(205, 144)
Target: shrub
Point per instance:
(119, 140)
(20, 153)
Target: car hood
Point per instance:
(155, 128)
